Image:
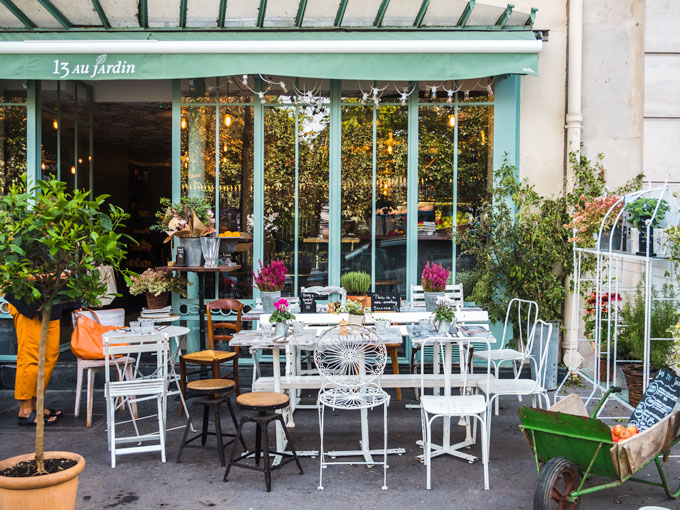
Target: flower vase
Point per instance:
(193, 252)
(431, 300)
(268, 300)
(359, 320)
(443, 327)
(281, 328)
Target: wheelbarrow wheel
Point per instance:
(559, 477)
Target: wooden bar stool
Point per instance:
(265, 404)
(213, 393)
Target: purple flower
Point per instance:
(434, 278)
(271, 277)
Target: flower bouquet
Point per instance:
(191, 217)
(433, 279)
(157, 286)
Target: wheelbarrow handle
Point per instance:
(612, 389)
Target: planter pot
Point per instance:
(645, 240)
(268, 300)
(603, 369)
(160, 301)
(281, 328)
(56, 491)
(193, 253)
(633, 374)
(443, 327)
(617, 241)
(431, 300)
(364, 300)
(359, 320)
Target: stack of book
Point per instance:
(156, 313)
(427, 227)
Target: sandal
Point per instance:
(56, 413)
(29, 421)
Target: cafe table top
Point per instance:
(310, 337)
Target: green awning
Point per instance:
(434, 55)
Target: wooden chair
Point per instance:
(212, 357)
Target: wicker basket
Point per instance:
(633, 374)
(160, 301)
(603, 370)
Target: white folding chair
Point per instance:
(111, 317)
(520, 321)
(469, 404)
(541, 332)
(350, 360)
(135, 391)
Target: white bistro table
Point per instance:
(448, 340)
(254, 339)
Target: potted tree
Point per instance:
(356, 284)
(51, 243)
(270, 279)
(641, 211)
(157, 286)
(433, 279)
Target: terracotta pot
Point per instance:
(160, 301)
(56, 491)
(364, 300)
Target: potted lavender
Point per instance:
(433, 279)
(270, 280)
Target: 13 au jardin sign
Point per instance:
(65, 69)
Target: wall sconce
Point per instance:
(452, 120)
(227, 120)
(55, 124)
(183, 123)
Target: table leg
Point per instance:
(201, 309)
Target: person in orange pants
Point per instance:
(28, 339)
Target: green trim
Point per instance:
(296, 232)
(506, 123)
(223, 13)
(183, 13)
(143, 14)
(421, 13)
(503, 19)
(374, 170)
(381, 13)
(261, 13)
(56, 13)
(176, 141)
(335, 186)
(300, 13)
(454, 246)
(59, 131)
(33, 116)
(18, 13)
(90, 148)
(466, 14)
(102, 15)
(258, 180)
(412, 191)
(341, 13)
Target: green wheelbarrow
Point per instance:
(572, 446)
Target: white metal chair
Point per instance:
(326, 291)
(136, 390)
(469, 404)
(520, 321)
(111, 317)
(350, 360)
(455, 292)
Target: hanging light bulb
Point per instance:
(227, 120)
(364, 97)
(244, 80)
(404, 97)
(283, 86)
(224, 148)
(433, 92)
(452, 120)
(260, 95)
(55, 124)
(450, 96)
(466, 94)
(183, 123)
(389, 149)
(73, 170)
(43, 166)
(489, 90)
(80, 161)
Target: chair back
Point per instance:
(223, 309)
(520, 318)
(454, 292)
(118, 345)
(541, 333)
(326, 291)
(109, 317)
(350, 356)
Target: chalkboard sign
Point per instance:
(658, 401)
(308, 302)
(385, 302)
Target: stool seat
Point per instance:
(210, 385)
(263, 400)
(208, 356)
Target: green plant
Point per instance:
(643, 208)
(356, 283)
(192, 216)
(157, 282)
(351, 307)
(664, 316)
(51, 243)
(444, 311)
(282, 312)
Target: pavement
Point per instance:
(142, 481)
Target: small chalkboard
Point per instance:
(308, 302)
(385, 302)
(658, 401)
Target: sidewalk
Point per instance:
(142, 481)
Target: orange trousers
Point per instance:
(28, 337)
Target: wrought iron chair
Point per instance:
(350, 360)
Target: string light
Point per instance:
(433, 91)
(43, 166)
(283, 86)
(227, 120)
(452, 120)
(244, 80)
(489, 90)
(55, 124)
(450, 96)
(73, 170)
(183, 123)
(466, 94)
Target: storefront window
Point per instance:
(12, 132)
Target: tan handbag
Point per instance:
(86, 340)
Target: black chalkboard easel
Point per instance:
(308, 302)
(658, 401)
(385, 302)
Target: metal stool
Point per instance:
(265, 403)
(214, 393)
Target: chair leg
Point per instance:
(238, 385)
(321, 455)
(129, 376)
(233, 419)
(185, 435)
(497, 366)
(218, 433)
(258, 442)
(161, 425)
(111, 414)
(90, 396)
(232, 456)
(426, 452)
(395, 367)
(79, 387)
(384, 487)
(485, 454)
(182, 381)
(290, 442)
(206, 419)
(265, 456)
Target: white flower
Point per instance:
(173, 224)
